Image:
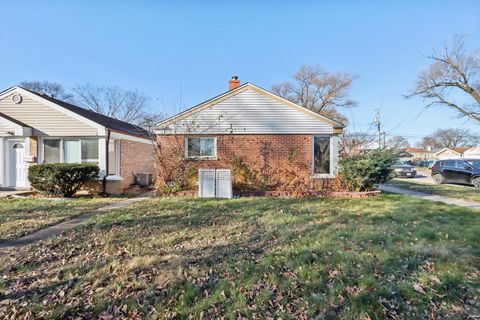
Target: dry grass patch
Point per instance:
(22, 216)
(386, 257)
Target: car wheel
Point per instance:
(476, 182)
(438, 178)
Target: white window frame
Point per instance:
(333, 157)
(117, 157)
(214, 157)
(62, 155)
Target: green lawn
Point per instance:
(22, 216)
(385, 257)
(447, 190)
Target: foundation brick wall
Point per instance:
(275, 152)
(135, 157)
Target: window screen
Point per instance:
(71, 151)
(51, 151)
(200, 147)
(321, 155)
(90, 151)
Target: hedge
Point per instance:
(61, 179)
(362, 172)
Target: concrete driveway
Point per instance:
(424, 176)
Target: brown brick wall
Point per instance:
(135, 157)
(272, 153)
(34, 147)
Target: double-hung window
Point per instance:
(200, 148)
(321, 155)
(70, 150)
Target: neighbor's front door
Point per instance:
(17, 173)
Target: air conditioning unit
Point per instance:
(143, 179)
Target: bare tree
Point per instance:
(319, 90)
(352, 143)
(449, 138)
(115, 102)
(453, 74)
(397, 143)
(51, 89)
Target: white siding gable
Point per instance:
(472, 153)
(44, 120)
(251, 112)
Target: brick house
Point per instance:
(249, 129)
(36, 128)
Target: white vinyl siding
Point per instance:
(44, 120)
(250, 112)
(472, 153)
(5, 129)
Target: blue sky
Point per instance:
(180, 53)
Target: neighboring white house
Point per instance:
(472, 153)
(36, 128)
(451, 153)
(420, 154)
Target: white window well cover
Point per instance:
(215, 183)
(223, 186)
(206, 183)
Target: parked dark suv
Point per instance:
(463, 171)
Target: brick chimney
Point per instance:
(233, 83)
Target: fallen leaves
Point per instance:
(417, 287)
(212, 260)
(435, 280)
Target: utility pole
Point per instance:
(384, 140)
(377, 121)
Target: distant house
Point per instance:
(451, 153)
(363, 147)
(472, 153)
(36, 128)
(405, 156)
(420, 154)
(268, 133)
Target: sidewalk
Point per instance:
(431, 197)
(57, 229)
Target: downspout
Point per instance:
(107, 169)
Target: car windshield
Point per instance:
(475, 164)
(399, 163)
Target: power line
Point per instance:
(378, 123)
